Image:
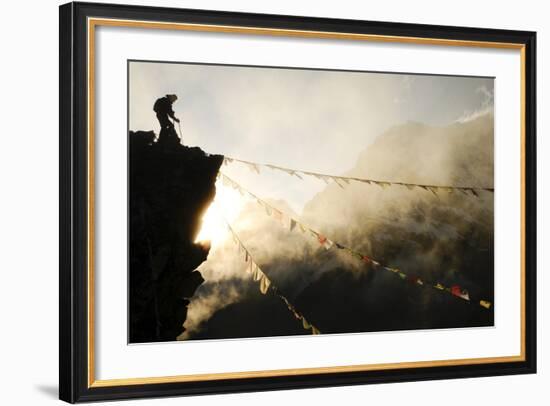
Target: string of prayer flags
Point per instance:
(291, 223)
(343, 180)
(287, 171)
(297, 316)
(266, 284)
(271, 211)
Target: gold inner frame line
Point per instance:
(94, 22)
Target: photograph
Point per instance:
(272, 201)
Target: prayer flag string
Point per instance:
(265, 283)
(292, 224)
(341, 181)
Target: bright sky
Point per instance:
(303, 119)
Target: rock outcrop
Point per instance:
(171, 186)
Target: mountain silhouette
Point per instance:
(171, 186)
(445, 237)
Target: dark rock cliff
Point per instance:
(170, 188)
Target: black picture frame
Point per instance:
(74, 383)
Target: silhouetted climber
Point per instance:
(163, 108)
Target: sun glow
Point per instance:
(226, 207)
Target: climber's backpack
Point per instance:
(158, 105)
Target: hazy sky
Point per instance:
(303, 119)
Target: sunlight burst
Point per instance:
(227, 206)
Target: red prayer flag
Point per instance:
(455, 290)
(412, 279)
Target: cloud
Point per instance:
(486, 106)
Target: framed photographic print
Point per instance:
(256, 202)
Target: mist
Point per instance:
(447, 237)
(426, 129)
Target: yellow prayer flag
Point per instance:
(485, 304)
(264, 284)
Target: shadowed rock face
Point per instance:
(171, 186)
